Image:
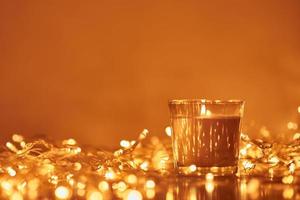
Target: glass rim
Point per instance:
(206, 101)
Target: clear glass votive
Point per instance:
(206, 135)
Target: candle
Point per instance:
(206, 135)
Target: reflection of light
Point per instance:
(252, 188)
(62, 192)
(193, 194)
(133, 195)
(298, 109)
(169, 195)
(168, 131)
(150, 193)
(288, 193)
(209, 187)
(202, 109)
(94, 195)
(243, 189)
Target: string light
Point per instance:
(66, 170)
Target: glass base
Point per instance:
(201, 171)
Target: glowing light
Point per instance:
(252, 188)
(292, 126)
(144, 134)
(81, 185)
(17, 138)
(120, 186)
(274, 159)
(6, 185)
(169, 195)
(298, 109)
(209, 177)
(81, 192)
(296, 136)
(77, 166)
(62, 192)
(264, 132)
(203, 109)
(11, 171)
(11, 147)
(150, 184)
(103, 186)
(133, 195)
(292, 168)
(110, 175)
(70, 141)
(144, 166)
(150, 193)
(125, 143)
(288, 193)
(288, 179)
(168, 131)
(248, 165)
(16, 196)
(94, 195)
(131, 179)
(192, 168)
(243, 152)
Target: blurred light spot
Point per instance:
(11, 171)
(192, 168)
(209, 187)
(168, 131)
(288, 179)
(125, 143)
(150, 193)
(103, 186)
(292, 125)
(94, 195)
(150, 184)
(288, 193)
(133, 195)
(16, 196)
(131, 179)
(62, 192)
(17, 138)
(209, 177)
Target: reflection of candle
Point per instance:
(206, 135)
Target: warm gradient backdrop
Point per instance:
(100, 71)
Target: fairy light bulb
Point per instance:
(62, 192)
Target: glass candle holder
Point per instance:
(206, 135)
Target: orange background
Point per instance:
(100, 71)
